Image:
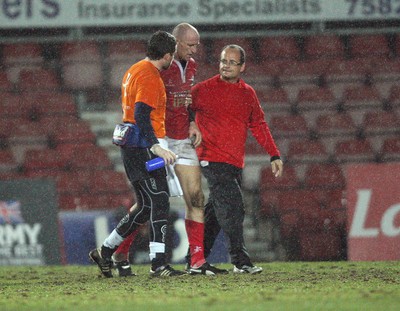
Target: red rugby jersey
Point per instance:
(224, 113)
(178, 82)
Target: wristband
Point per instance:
(273, 158)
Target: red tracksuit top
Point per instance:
(224, 112)
(178, 82)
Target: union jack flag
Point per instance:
(10, 212)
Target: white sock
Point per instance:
(113, 240)
(156, 247)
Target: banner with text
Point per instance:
(373, 193)
(106, 13)
(28, 223)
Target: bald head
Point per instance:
(188, 40)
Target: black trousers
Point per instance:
(225, 210)
(152, 195)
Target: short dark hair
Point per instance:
(239, 48)
(159, 44)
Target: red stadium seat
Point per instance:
(32, 80)
(384, 69)
(7, 161)
(380, 122)
(278, 48)
(94, 158)
(307, 151)
(324, 47)
(18, 56)
(354, 150)
(289, 126)
(5, 84)
(394, 96)
(274, 99)
(134, 50)
(80, 51)
(122, 55)
(73, 183)
(219, 43)
(391, 149)
(335, 124)
(324, 176)
(77, 133)
(48, 160)
(289, 180)
(315, 98)
(81, 65)
(50, 104)
(355, 70)
(369, 45)
(361, 97)
(109, 181)
(306, 71)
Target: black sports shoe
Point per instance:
(166, 271)
(104, 265)
(247, 269)
(207, 269)
(124, 268)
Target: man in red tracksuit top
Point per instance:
(226, 107)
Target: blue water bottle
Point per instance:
(155, 164)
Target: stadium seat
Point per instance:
(109, 182)
(274, 99)
(324, 47)
(354, 150)
(269, 202)
(92, 158)
(73, 183)
(281, 47)
(354, 70)
(18, 56)
(47, 160)
(383, 69)
(391, 149)
(307, 151)
(5, 84)
(122, 55)
(369, 45)
(80, 51)
(289, 126)
(7, 161)
(50, 104)
(32, 80)
(289, 226)
(10, 107)
(306, 71)
(361, 97)
(315, 98)
(27, 133)
(289, 180)
(324, 176)
(335, 124)
(77, 132)
(394, 96)
(81, 64)
(219, 43)
(82, 75)
(380, 123)
(134, 50)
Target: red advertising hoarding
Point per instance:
(373, 203)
